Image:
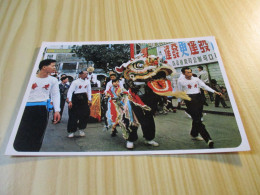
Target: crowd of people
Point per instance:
(120, 110)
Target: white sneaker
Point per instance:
(152, 143)
(70, 135)
(105, 128)
(165, 109)
(165, 112)
(198, 138)
(82, 133)
(129, 145)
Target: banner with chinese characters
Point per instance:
(188, 53)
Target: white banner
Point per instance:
(189, 53)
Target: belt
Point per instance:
(196, 94)
(36, 104)
(47, 104)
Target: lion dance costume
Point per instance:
(145, 81)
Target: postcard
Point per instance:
(128, 98)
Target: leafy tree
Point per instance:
(101, 55)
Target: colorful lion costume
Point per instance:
(145, 81)
(152, 70)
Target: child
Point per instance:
(115, 105)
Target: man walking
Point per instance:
(191, 85)
(79, 99)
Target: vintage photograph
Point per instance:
(128, 98)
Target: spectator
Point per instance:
(218, 98)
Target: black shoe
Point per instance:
(206, 104)
(211, 144)
(114, 132)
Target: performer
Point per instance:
(115, 106)
(35, 117)
(120, 111)
(79, 99)
(112, 76)
(107, 85)
(64, 87)
(191, 85)
(144, 96)
(146, 79)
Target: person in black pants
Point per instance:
(191, 85)
(194, 108)
(34, 121)
(79, 98)
(145, 117)
(64, 87)
(218, 98)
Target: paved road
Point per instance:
(172, 133)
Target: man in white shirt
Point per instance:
(34, 121)
(204, 76)
(93, 77)
(79, 99)
(191, 85)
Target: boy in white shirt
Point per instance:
(32, 127)
(79, 99)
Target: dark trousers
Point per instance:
(145, 118)
(79, 113)
(218, 99)
(203, 97)
(194, 108)
(31, 130)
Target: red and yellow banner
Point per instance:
(95, 109)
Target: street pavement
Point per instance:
(172, 133)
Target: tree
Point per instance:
(115, 55)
